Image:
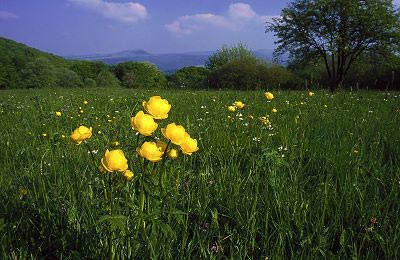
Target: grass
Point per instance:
(321, 181)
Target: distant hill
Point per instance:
(168, 62)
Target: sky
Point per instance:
(76, 27)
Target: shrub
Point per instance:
(192, 77)
(140, 74)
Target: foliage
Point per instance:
(227, 54)
(189, 77)
(139, 74)
(25, 67)
(337, 32)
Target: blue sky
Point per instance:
(70, 27)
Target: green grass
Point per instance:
(323, 181)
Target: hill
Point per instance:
(22, 66)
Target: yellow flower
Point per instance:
(85, 102)
(128, 175)
(264, 120)
(115, 144)
(81, 111)
(44, 135)
(231, 108)
(269, 95)
(157, 107)
(175, 133)
(143, 123)
(81, 134)
(58, 113)
(310, 94)
(239, 104)
(114, 160)
(173, 154)
(189, 145)
(150, 151)
(161, 145)
(23, 191)
(274, 110)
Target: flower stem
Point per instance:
(111, 232)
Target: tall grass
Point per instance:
(322, 181)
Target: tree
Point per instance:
(227, 54)
(244, 74)
(336, 31)
(191, 77)
(140, 74)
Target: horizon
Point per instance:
(87, 27)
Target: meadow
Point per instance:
(319, 179)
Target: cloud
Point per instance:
(238, 16)
(7, 15)
(129, 12)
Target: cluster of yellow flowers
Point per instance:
(145, 124)
(236, 105)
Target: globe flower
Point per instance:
(269, 96)
(310, 94)
(128, 175)
(114, 161)
(231, 108)
(81, 134)
(143, 123)
(175, 133)
(239, 104)
(189, 145)
(173, 154)
(264, 120)
(58, 113)
(157, 107)
(150, 151)
(161, 145)
(274, 110)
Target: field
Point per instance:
(321, 179)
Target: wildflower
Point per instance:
(62, 136)
(143, 123)
(23, 191)
(114, 160)
(58, 113)
(238, 104)
(115, 144)
(150, 151)
(81, 111)
(173, 154)
(310, 94)
(161, 145)
(80, 134)
(264, 120)
(189, 145)
(157, 107)
(85, 102)
(274, 110)
(175, 133)
(231, 108)
(269, 96)
(44, 135)
(128, 175)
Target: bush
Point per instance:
(140, 74)
(227, 54)
(67, 78)
(192, 77)
(244, 74)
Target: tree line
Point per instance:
(335, 44)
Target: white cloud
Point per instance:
(7, 15)
(129, 12)
(236, 18)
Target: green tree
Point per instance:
(192, 77)
(39, 73)
(140, 74)
(227, 54)
(245, 74)
(336, 31)
(67, 78)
